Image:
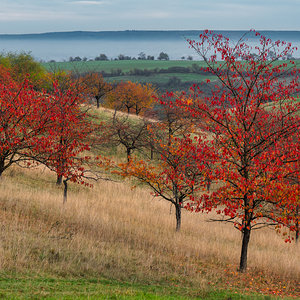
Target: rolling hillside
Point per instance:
(115, 241)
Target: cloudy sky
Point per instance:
(36, 16)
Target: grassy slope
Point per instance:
(127, 237)
(112, 242)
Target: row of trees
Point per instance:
(141, 56)
(239, 144)
(49, 126)
(244, 139)
(46, 119)
(234, 151)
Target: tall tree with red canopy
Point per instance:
(251, 113)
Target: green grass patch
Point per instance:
(19, 287)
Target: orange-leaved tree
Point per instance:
(94, 86)
(131, 97)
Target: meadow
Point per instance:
(115, 241)
(124, 65)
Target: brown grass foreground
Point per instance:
(115, 232)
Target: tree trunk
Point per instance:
(128, 154)
(2, 163)
(178, 217)
(65, 191)
(169, 137)
(59, 180)
(98, 101)
(297, 225)
(243, 260)
(208, 184)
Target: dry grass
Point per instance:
(116, 232)
(107, 113)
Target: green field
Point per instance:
(30, 287)
(126, 70)
(124, 65)
(122, 70)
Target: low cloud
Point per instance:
(157, 15)
(89, 2)
(13, 16)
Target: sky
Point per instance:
(38, 16)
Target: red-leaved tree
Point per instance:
(180, 170)
(251, 112)
(69, 136)
(25, 118)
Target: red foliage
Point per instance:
(183, 168)
(254, 118)
(24, 120)
(67, 138)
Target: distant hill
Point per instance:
(146, 35)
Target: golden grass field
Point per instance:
(117, 232)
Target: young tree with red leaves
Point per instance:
(179, 170)
(251, 112)
(69, 136)
(179, 173)
(25, 118)
(294, 181)
(53, 129)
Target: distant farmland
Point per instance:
(173, 74)
(124, 65)
(164, 74)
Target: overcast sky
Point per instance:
(37, 16)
